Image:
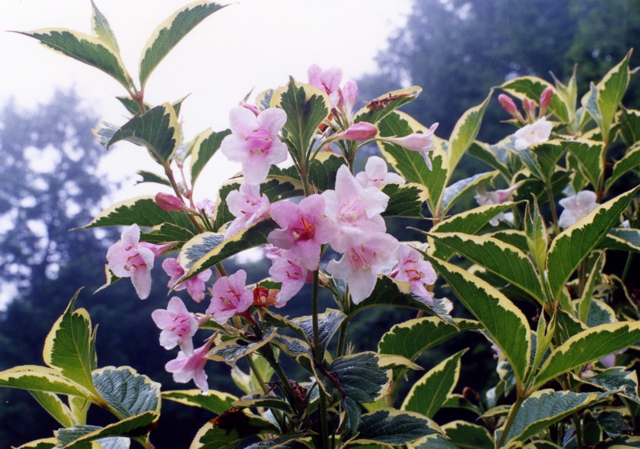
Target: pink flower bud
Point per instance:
(169, 202)
(360, 131)
(545, 99)
(529, 107)
(508, 104)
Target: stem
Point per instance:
(554, 213)
(318, 354)
(512, 416)
(176, 189)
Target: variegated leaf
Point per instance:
(458, 189)
(40, 378)
(378, 108)
(77, 437)
(532, 87)
(405, 200)
(215, 401)
(102, 29)
(55, 407)
(203, 148)
(590, 155)
(468, 435)
(630, 161)
(465, 132)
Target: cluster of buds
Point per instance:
(528, 105)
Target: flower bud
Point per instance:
(169, 202)
(508, 104)
(529, 107)
(545, 99)
(360, 132)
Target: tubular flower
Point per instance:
(195, 286)
(230, 297)
(288, 271)
(130, 258)
(185, 368)
(532, 134)
(327, 81)
(412, 268)
(254, 141)
(576, 207)
(248, 206)
(485, 198)
(423, 143)
(376, 174)
(177, 324)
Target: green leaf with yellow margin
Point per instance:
(41, 378)
(391, 427)
(215, 401)
(143, 211)
(532, 87)
(458, 189)
(587, 346)
(468, 435)
(170, 32)
(465, 132)
(127, 392)
(590, 155)
(405, 200)
(378, 108)
(70, 346)
(630, 161)
(157, 130)
(44, 443)
(544, 408)
(202, 150)
(360, 376)
(102, 29)
(91, 50)
(411, 338)
(542, 158)
(500, 258)
(230, 428)
(430, 393)
(306, 107)
(410, 164)
(628, 125)
(609, 93)
(505, 323)
(55, 407)
(572, 245)
(622, 239)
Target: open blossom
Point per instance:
(576, 207)
(353, 206)
(288, 271)
(248, 206)
(369, 255)
(254, 141)
(485, 198)
(327, 81)
(423, 143)
(130, 258)
(195, 286)
(376, 174)
(304, 229)
(187, 367)
(412, 268)
(230, 297)
(177, 324)
(532, 134)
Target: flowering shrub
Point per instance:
(565, 371)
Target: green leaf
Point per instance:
(148, 176)
(306, 107)
(615, 379)
(411, 338)
(457, 190)
(590, 155)
(584, 303)
(77, 437)
(541, 159)
(126, 391)
(323, 169)
(467, 435)
(170, 32)
(70, 346)
(378, 108)
(410, 164)
(393, 428)
(40, 378)
(168, 233)
(328, 324)
(285, 442)
(132, 107)
(102, 29)
(215, 401)
(502, 259)
(55, 407)
(628, 125)
(630, 161)
(587, 346)
(44, 443)
(90, 50)
(571, 246)
(207, 249)
(143, 211)
(230, 351)
(610, 91)
(622, 239)
(494, 155)
(465, 132)
(228, 429)
(504, 322)
(430, 393)
(405, 200)
(203, 148)
(157, 129)
(544, 408)
(359, 376)
(532, 87)
(536, 235)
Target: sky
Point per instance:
(249, 46)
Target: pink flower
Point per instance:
(230, 297)
(248, 206)
(576, 207)
(485, 198)
(169, 202)
(423, 143)
(509, 105)
(289, 272)
(177, 324)
(206, 207)
(254, 141)
(545, 99)
(327, 81)
(348, 97)
(194, 285)
(185, 368)
(376, 174)
(414, 269)
(130, 258)
(369, 255)
(532, 134)
(304, 229)
(359, 132)
(352, 206)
